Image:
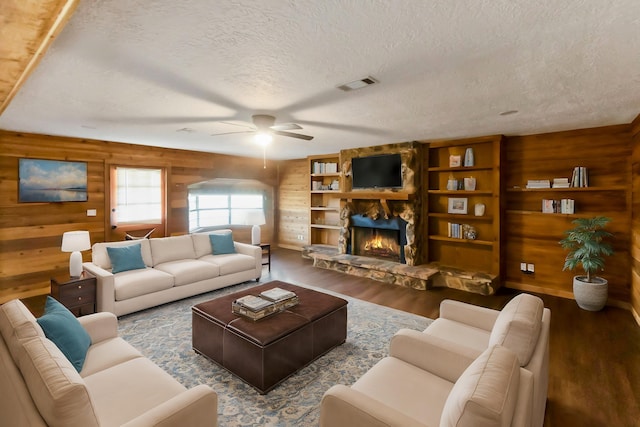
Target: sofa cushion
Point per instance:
(55, 386)
(406, 388)
(222, 244)
(202, 242)
(189, 271)
(518, 326)
(165, 249)
(17, 324)
(62, 327)
(131, 284)
(231, 263)
(126, 258)
(100, 256)
(114, 388)
(486, 393)
(106, 354)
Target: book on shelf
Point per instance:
(321, 167)
(550, 206)
(580, 177)
(538, 183)
(567, 206)
(561, 183)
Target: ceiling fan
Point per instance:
(266, 124)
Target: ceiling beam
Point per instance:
(27, 29)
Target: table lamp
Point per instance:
(74, 242)
(256, 219)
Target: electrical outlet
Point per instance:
(523, 267)
(531, 268)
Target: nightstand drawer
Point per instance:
(81, 292)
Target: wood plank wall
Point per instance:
(293, 204)
(31, 233)
(533, 238)
(635, 221)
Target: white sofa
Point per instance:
(116, 386)
(176, 267)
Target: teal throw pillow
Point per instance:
(125, 258)
(222, 244)
(62, 327)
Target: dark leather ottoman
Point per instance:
(265, 352)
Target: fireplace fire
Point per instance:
(380, 246)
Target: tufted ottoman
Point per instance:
(264, 353)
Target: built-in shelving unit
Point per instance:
(324, 199)
(479, 251)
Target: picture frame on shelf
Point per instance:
(457, 205)
(455, 161)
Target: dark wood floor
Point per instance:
(594, 377)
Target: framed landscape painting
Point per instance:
(51, 181)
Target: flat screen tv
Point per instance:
(381, 171)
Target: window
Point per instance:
(213, 209)
(137, 196)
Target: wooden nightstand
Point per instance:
(77, 294)
(266, 250)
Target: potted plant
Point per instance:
(587, 245)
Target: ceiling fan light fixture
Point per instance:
(263, 138)
(358, 84)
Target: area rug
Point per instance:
(163, 334)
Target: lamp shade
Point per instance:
(75, 241)
(254, 218)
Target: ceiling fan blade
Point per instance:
(286, 126)
(293, 135)
(229, 133)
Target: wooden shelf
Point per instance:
(376, 195)
(556, 214)
(321, 175)
(461, 192)
(464, 241)
(325, 208)
(459, 168)
(326, 226)
(566, 190)
(485, 253)
(487, 218)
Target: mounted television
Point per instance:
(381, 171)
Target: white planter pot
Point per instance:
(590, 296)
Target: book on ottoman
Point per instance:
(253, 307)
(281, 297)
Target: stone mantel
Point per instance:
(376, 195)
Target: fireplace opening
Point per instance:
(376, 243)
(381, 238)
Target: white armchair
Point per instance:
(446, 389)
(522, 326)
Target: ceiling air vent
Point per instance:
(358, 84)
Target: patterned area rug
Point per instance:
(163, 334)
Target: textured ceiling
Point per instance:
(167, 73)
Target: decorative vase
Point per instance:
(590, 296)
(468, 157)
